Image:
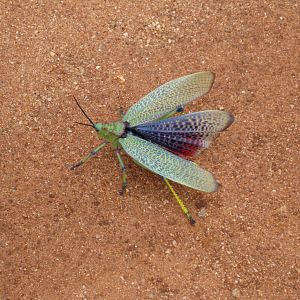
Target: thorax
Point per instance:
(111, 132)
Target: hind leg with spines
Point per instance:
(180, 202)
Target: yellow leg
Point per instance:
(184, 209)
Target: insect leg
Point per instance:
(91, 154)
(184, 209)
(172, 113)
(121, 111)
(123, 168)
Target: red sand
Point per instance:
(69, 235)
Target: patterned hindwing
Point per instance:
(185, 135)
(168, 165)
(168, 97)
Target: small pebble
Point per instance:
(151, 295)
(202, 212)
(282, 211)
(120, 78)
(236, 293)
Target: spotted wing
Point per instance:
(167, 164)
(185, 135)
(168, 97)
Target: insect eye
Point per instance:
(98, 127)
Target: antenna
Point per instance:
(84, 124)
(84, 113)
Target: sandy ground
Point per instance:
(68, 234)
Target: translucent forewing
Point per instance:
(185, 134)
(168, 165)
(168, 97)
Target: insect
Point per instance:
(161, 142)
